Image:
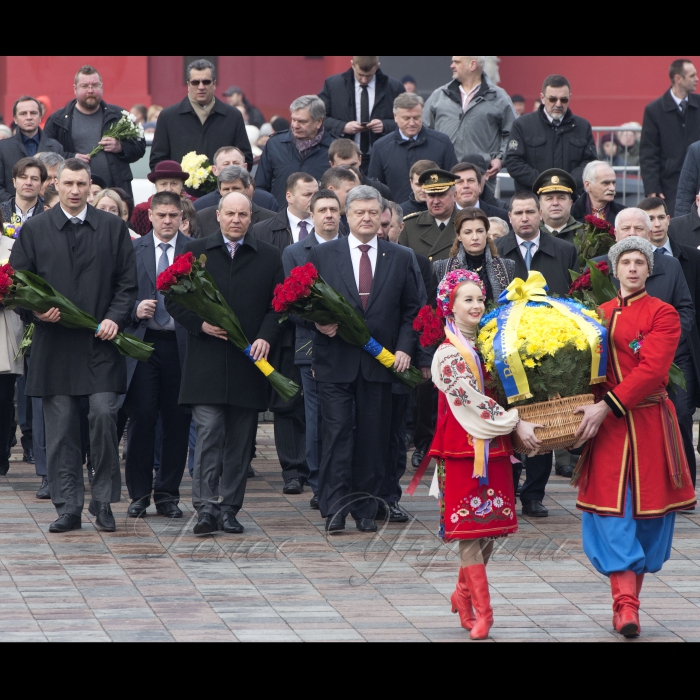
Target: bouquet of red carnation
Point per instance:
(29, 291)
(595, 240)
(187, 283)
(430, 326)
(305, 294)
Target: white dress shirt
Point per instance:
(407, 138)
(678, 100)
(170, 252)
(667, 246)
(294, 225)
(523, 248)
(320, 240)
(371, 87)
(467, 97)
(356, 254)
(23, 217)
(80, 216)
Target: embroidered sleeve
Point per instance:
(478, 414)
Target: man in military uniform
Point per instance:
(555, 189)
(431, 233)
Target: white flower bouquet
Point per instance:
(126, 128)
(200, 173)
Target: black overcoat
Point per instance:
(686, 229)
(217, 372)
(553, 258)
(93, 265)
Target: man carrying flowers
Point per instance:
(377, 280)
(86, 255)
(225, 389)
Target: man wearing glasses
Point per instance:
(200, 123)
(79, 126)
(551, 137)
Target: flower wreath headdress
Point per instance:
(448, 287)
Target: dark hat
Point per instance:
(167, 168)
(554, 180)
(517, 98)
(408, 79)
(437, 180)
(476, 159)
(232, 90)
(97, 180)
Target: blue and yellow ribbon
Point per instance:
(380, 353)
(505, 343)
(263, 365)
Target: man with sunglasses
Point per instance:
(79, 126)
(551, 137)
(201, 122)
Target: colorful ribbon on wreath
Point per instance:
(505, 343)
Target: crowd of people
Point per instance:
(393, 201)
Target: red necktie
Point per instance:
(365, 275)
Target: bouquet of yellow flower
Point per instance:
(200, 173)
(539, 351)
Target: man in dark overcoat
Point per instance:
(86, 255)
(378, 279)
(225, 389)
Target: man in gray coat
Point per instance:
(473, 112)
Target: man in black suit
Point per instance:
(233, 178)
(290, 226)
(688, 355)
(359, 103)
(469, 188)
(225, 389)
(377, 278)
(154, 386)
(686, 229)
(28, 140)
(671, 125)
(531, 249)
(340, 180)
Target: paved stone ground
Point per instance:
(284, 580)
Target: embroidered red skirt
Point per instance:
(469, 510)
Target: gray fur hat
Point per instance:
(628, 244)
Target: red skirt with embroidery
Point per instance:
(469, 510)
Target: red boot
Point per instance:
(462, 602)
(625, 603)
(479, 587)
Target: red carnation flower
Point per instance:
(603, 267)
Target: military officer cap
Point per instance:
(554, 180)
(437, 180)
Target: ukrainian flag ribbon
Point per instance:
(505, 343)
(263, 365)
(379, 353)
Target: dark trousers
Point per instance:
(154, 392)
(683, 400)
(424, 415)
(290, 441)
(24, 411)
(225, 434)
(537, 471)
(312, 414)
(353, 461)
(396, 455)
(38, 436)
(7, 417)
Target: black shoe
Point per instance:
(230, 524)
(366, 525)
(335, 523)
(28, 456)
(66, 523)
(169, 509)
(293, 486)
(103, 516)
(250, 473)
(314, 502)
(4, 467)
(137, 508)
(535, 509)
(393, 512)
(417, 458)
(566, 471)
(43, 491)
(206, 524)
(408, 439)
(90, 473)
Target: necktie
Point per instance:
(528, 255)
(682, 106)
(660, 251)
(364, 118)
(441, 226)
(365, 275)
(75, 220)
(556, 122)
(232, 247)
(161, 316)
(303, 231)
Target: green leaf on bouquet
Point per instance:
(603, 288)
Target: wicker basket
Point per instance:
(559, 420)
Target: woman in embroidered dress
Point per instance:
(633, 474)
(474, 250)
(471, 444)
